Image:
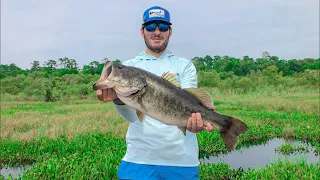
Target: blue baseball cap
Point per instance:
(156, 13)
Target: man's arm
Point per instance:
(189, 80)
(125, 111)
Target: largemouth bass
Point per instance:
(163, 99)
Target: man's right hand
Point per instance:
(109, 94)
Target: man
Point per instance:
(156, 150)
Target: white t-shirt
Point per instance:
(153, 142)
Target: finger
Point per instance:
(114, 95)
(194, 122)
(199, 122)
(105, 95)
(110, 94)
(189, 125)
(99, 94)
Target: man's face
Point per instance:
(157, 40)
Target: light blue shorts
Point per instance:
(134, 171)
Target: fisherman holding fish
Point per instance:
(159, 144)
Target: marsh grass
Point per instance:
(32, 120)
(85, 138)
(301, 100)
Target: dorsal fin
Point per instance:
(202, 95)
(171, 78)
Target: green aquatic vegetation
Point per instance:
(92, 156)
(219, 171)
(277, 170)
(97, 156)
(287, 170)
(290, 149)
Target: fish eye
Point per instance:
(120, 66)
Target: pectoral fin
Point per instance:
(171, 78)
(183, 129)
(141, 116)
(202, 95)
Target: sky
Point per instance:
(40, 30)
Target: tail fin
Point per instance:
(230, 134)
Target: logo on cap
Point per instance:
(156, 13)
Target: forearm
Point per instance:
(118, 102)
(125, 111)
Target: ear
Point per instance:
(141, 31)
(170, 32)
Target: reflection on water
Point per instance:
(261, 155)
(14, 171)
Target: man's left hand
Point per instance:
(195, 123)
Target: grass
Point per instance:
(31, 120)
(85, 138)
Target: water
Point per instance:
(15, 171)
(261, 155)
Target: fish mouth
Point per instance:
(134, 94)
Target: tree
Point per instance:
(92, 68)
(246, 65)
(35, 65)
(68, 66)
(51, 64)
(71, 64)
(262, 63)
(294, 65)
(47, 86)
(265, 55)
(272, 75)
(63, 62)
(11, 70)
(274, 59)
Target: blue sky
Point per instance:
(91, 30)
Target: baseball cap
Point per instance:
(156, 13)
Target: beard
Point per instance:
(159, 48)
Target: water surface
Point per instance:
(261, 155)
(15, 170)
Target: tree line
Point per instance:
(238, 66)
(63, 79)
(246, 65)
(55, 68)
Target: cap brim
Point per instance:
(157, 19)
